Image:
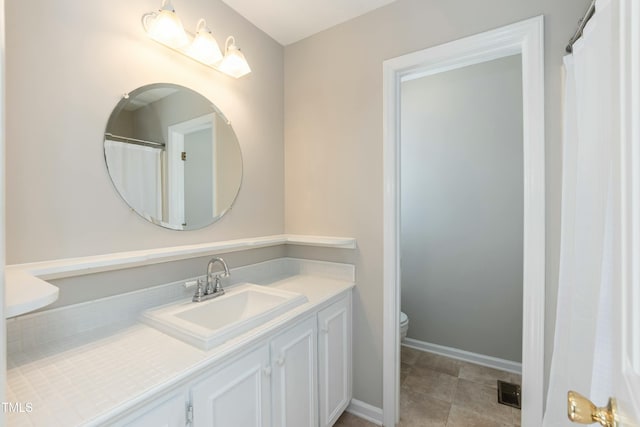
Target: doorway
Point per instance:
(524, 38)
(461, 189)
(190, 156)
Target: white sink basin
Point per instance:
(210, 323)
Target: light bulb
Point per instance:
(234, 63)
(165, 27)
(204, 47)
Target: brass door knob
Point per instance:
(581, 410)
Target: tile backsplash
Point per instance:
(106, 315)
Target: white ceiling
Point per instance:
(288, 21)
(147, 97)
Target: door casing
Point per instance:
(525, 38)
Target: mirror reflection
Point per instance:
(173, 156)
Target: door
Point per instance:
(626, 333)
(334, 360)
(616, 353)
(526, 38)
(190, 141)
(293, 360)
(171, 412)
(623, 326)
(236, 395)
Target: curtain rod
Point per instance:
(581, 24)
(136, 141)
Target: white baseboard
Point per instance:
(365, 411)
(467, 356)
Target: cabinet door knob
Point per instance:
(280, 361)
(267, 371)
(324, 330)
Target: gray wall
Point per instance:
(333, 137)
(74, 290)
(462, 208)
(152, 123)
(3, 329)
(62, 87)
(64, 81)
(153, 120)
(228, 166)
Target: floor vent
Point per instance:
(509, 394)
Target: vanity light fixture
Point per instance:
(165, 27)
(204, 47)
(233, 62)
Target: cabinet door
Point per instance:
(293, 358)
(334, 360)
(171, 412)
(237, 395)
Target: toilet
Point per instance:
(404, 326)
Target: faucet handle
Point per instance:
(190, 284)
(199, 289)
(217, 286)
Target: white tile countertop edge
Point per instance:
(180, 361)
(27, 288)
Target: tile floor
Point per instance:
(440, 392)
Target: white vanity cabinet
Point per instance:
(295, 385)
(334, 360)
(301, 377)
(274, 385)
(170, 411)
(237, 395)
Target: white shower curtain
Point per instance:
(580, 357)
(137, 174)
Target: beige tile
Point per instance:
(409, 355)
(350, 420)
(405, 370)
(462, 417)
(438, 363)
(405, 367)
(515, 378)
(483, 375)
(419, 410)
(483, 400)
(430, 383)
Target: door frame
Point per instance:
(175, 165)
(626, 281)
(525, 38)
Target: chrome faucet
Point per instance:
(213, 287)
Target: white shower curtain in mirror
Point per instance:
(583, 314)
(137, 174)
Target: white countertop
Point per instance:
(85, 380)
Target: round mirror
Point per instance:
(173, 156)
